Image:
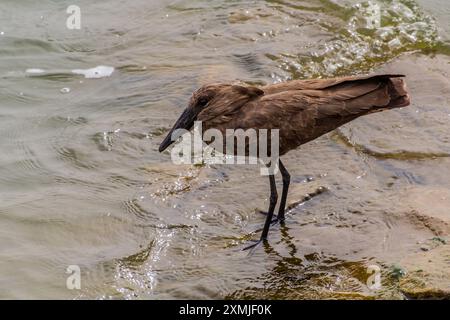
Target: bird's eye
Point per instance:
(202, 102)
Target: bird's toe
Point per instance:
(255, 244)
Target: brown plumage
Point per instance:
(302, 110)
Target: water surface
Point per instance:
(82, 182)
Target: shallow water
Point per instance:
(82, 182)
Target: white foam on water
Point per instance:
(95, 73)
(34, 71)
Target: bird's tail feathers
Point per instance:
(398, 93)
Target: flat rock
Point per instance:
(431, 206)
(428, 274)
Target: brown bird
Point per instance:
(302, 110)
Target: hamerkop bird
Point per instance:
(302, 110)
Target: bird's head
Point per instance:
(208, 102)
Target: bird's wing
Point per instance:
(348, 99)
(289, 96)
(341, 97)
(310, 111)
(322, 109)
(320, 84)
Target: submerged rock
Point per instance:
(428, 275)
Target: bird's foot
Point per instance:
(256, 243)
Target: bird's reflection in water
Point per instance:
(297, 274)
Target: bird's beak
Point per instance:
(185, 121)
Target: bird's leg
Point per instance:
(286, 180)
(272, 204)
(265, 213)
